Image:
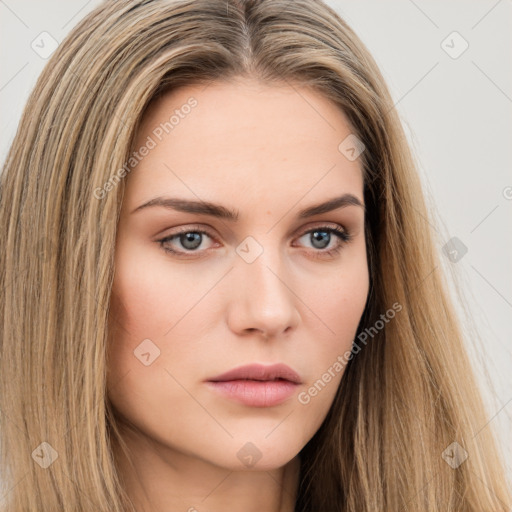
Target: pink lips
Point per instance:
(257, 385)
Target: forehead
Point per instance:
(244, 139)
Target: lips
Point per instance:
(257, 385)
(260, 372)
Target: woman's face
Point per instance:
(266, 285)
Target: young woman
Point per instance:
(220, 287)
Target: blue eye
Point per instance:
(322, 236)
(191, 239)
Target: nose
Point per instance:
(261, 298)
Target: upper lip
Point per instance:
(259, 372)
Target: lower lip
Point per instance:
(256, 393)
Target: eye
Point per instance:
(192, 239)
(321, 238)
(189, 239)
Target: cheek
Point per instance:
(149, 304)
(148, 299)
(339, 302)
(139, 311)
(339, 305)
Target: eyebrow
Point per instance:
(217, 210)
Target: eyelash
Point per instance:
(344, 236)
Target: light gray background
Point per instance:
(457, 116)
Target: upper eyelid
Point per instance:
(295, 232)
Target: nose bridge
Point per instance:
(265, 298)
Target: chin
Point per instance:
(256, 456)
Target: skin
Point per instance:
(267, 152)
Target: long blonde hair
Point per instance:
(404, 398)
